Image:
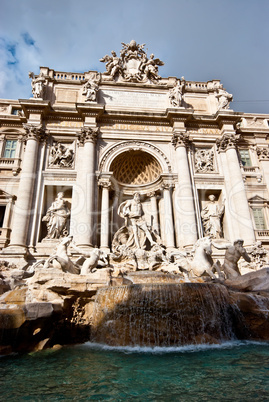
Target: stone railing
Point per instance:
(262, 233)
(58, 75)
(194, 86)
(10, 164)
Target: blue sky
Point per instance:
(200, 39)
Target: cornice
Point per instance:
(34, 106)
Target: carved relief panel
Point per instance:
(61, 155)
(204, 160)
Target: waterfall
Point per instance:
(162, 314)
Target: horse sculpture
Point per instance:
(202, 262)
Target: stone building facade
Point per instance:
(98, 138)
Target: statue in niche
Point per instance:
(224, 98)
(211, 217)
(176, 93)
(56, 218)
(204, 160)
(91, 88)
(38, 84)
(135, 243)
(232, 256)
(61, 156)
(113, 64)
(133, 213)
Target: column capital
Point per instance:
(104, 183)
(263, 153)
(88, 134)
(166, 185)
(34, 132)
(180, 139)
(227, 141)
(151, 194)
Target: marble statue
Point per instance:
(60, 258)
(232, 256)
(93, 259)
(61, 156)
(91, 88)
(259, 255)
(113, 64)
(133, 65)
(56, 218)
(176, 93)
(211, 217)
(201, 263)
(150, 68)
(224, 99)
(38, 84)
(135, 244)
(133, 213)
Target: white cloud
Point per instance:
(201, 40)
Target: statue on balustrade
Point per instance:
(176, 93)
(91, 88)
(38, 84)
(56, 218)
(224, 99)
(211, 216)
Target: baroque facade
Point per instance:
(86, 143)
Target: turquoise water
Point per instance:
(232, 372)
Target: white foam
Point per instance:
(169, 349)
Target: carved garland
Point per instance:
(139, 145)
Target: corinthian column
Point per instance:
(23, 206)
(154, 212)
(104, 240)
(83, 211)
(184, 202)
(237, 200)
(169, 233)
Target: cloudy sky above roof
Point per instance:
(198, 39)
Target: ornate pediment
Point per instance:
(133, 65)
(256, 199)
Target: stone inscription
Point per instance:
(138, 127)
(65, 124)
(134, 99)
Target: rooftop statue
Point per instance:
(133, 64)
(177, 92)
(224, 99)
(38, 84)
(91, 88)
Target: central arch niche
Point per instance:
(135, 167)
